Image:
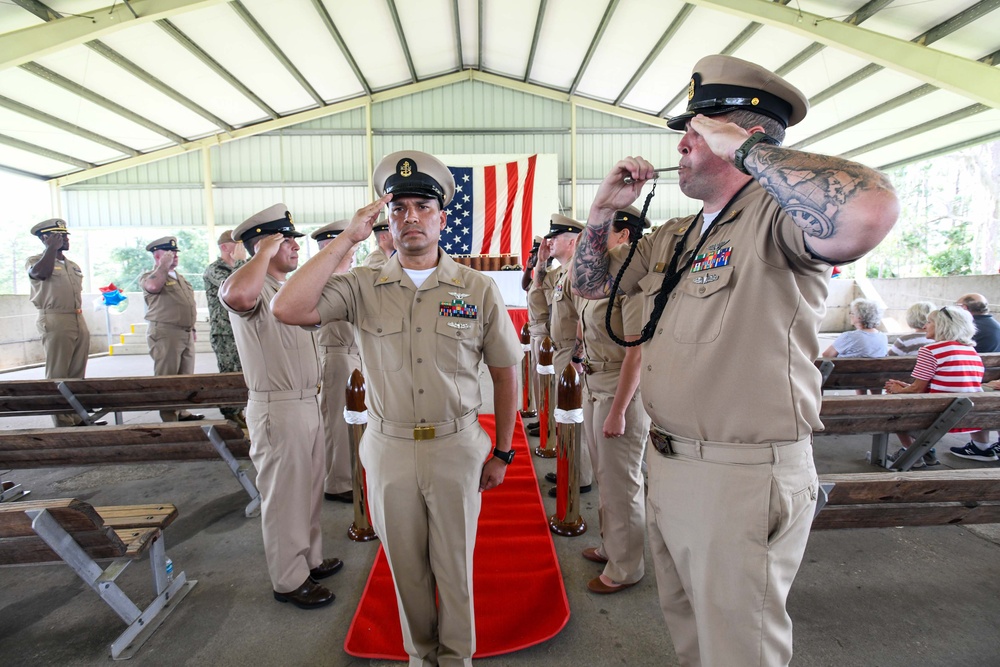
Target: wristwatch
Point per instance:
(744, 150)
(506, 457)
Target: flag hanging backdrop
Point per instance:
(492, 211)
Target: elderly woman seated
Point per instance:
(866, 340)
(909, 344)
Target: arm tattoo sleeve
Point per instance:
(591, 276)
(812, 189)
(578, 349)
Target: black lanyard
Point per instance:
(672, 276)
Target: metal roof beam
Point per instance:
(44, 152)
(956, 74)
(605, 20)
(25, 45)
(480, 17)
(458, 34)
(944, 150)
(276, 51)
(22, 172)
(214, 65)
(402, 39)
(150, 80)
(332, 28)
(534, 39)
(43, 117)
(668, 34)
(100, 101)
(940, 121)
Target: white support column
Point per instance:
(572, 157)
(369, 148)
(208, 199)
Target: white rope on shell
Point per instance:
(569, 416)
(352, 417)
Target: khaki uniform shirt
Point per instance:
(376, 259)
(421, 348)
(337, 334)
(731, 358)
(604, 356)
(538, 303)
(563, 317)
(174, 304)
(60, 292)
(276, 356)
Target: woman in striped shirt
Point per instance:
(950, 364)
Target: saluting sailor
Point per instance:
(171, 313)
(56, 286)
(424, 323)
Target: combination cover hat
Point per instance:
(414, 173)
(163, 243)
(272, 220)
(720, 84)
(381, 226)
(52, 225)
(559, 224)
(330, 231)
(631, 216)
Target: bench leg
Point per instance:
(944, 423)
(880, 449)
(11, 491)
(823, 496)
(74, 403)
(253, 509)
(141, 623)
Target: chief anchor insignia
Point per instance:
(405, 171)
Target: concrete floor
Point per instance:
(889, 597)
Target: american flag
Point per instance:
(492, 209)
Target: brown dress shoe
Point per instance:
(345, 497)
(328, 567)
(592, 554)
(597, 585)
(309, 595)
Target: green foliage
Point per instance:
(131, 261)
(194, 254)
(956, 258)
(13, 255)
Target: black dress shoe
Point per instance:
(550, 477)
(309, 595)
(583, 489)
(191, 418)
(329, 567)
(100, 422)
(345, 497)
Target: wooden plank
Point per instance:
(913, 487)
(32, 549)
(872, 373)
(73, 515)
(890, 515)
(121, 517)
(177, 441)
(903, 412)
(125, 394)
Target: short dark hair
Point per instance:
(747, 119)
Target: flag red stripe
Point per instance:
(527, 237)
(508, 214)
(490, 185)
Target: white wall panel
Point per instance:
(163, 207)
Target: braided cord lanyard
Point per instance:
(671, 277)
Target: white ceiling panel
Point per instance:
(367, 29)
(568, 28)
(984, 124)
(84, 67)
(161, 56)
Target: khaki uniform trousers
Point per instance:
(424, 499)
(618, 468)
(66, 341)
(727, 528)
(561, 359)
(172, 350)
(287, 449)
(338, 363)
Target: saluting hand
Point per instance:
(268, 246)
(166, 259)
(360, 226)
(54, 240)
(721, 137)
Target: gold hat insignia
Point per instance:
(691, 89)
(405, 171)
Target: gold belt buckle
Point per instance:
(423, 433)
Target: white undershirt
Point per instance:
(172, 274)
(707, 219)
(418, 276)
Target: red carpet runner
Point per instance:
(519, 593)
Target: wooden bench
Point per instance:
(145, 443)
(92, 398)
(931, 498)
(932, 415)
(866, 373)
(72, 531)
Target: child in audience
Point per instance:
(949, 364)
(866, 340)
(916, 317)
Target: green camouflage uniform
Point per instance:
(223, 343)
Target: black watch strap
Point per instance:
(744, 150)
(506, 457)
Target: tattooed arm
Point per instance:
(843, 208)
(591, 277)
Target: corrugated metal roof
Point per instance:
(83, 84)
